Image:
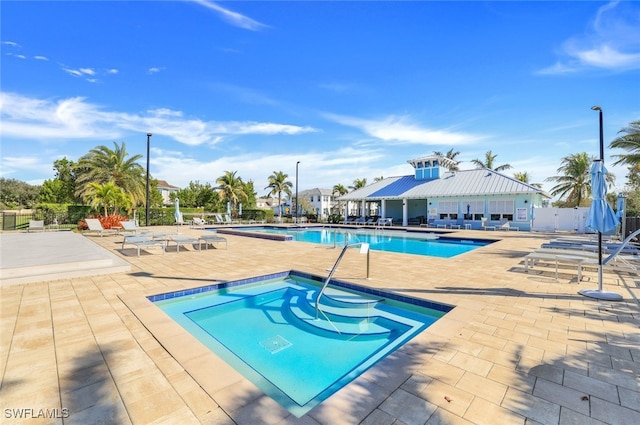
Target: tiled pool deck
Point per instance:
(518, 348)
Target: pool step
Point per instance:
(340, 298)
(348, 324)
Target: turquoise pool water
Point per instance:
(417, 243)
(267, 329)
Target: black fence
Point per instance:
(631, 224)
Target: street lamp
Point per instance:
(147, 203)
(297, 163)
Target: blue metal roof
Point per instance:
(398, 187)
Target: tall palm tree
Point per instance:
(630, 142)
(574, 183)
(278, 184)
(489, 163)
(103, 165)
(358, 184)
(451, 154)
(231, 188)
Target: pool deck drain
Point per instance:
(275, 344)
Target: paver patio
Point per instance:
(518, 348)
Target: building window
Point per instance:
(501, 209)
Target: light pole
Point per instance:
(147, 203)
(297, 163)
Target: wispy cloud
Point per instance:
(41, 58)
(154, 70)
(611, 42)
(12, 44)
(233, 18)
(75, 118)
(400, 130)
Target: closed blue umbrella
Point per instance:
(602, 219)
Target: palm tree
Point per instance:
(378, 179)
(278, 183)
(358, 184)
(489, 163)
(629, 142)
(105, 195)
(451, 154)
(574, 183)
(231, 188)
(340, 190)
(523, 176)
(103, 165)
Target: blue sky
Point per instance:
(349, 89)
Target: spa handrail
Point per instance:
(335, 266)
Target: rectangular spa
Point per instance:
(269, 330)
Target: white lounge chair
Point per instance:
(131, 227)
(483, 222)
(94, 225)
(185, 240)
(506, 226)
(35, 225)
(199, 222)
(212, 239)
(143, 241)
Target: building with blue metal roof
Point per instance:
(438, 195)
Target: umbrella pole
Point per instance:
(599, 293)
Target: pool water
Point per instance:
(268, 329)
(417, 243)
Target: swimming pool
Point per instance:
(267, 328)
(400, 241)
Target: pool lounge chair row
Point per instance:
(163, 240)
(369, 222)
(581, 258)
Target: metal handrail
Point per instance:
(621, 247)
(333, 270)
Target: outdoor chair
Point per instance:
(212, 239)
(143, 241)
(94, 225)
(35, 225)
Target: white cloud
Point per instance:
(400, 130)
(234, 18)
(154, 70)
(41, 58)
(75, 118)
(611, 42)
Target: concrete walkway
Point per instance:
(518, 348)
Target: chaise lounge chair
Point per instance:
(131, 227)
(94, 225)
(35, 225)
(212, 239)
(199, 222)
(143, 241)
(506, 226)
(483, 222)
